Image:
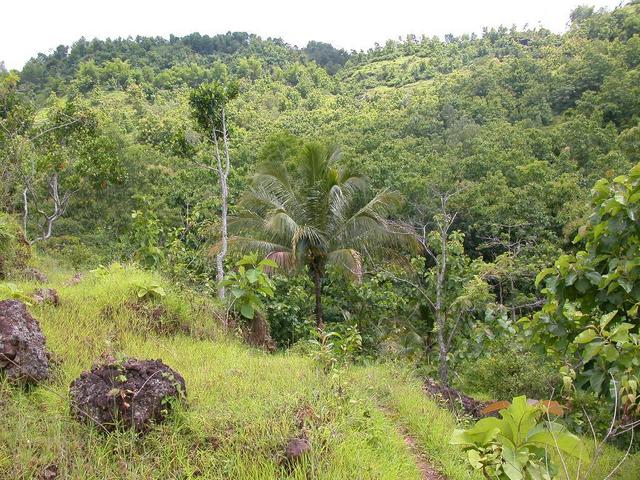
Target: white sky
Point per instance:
(31, 26)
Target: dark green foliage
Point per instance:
(290, 311)
(326, 55)
(71, 250)
(506, 370)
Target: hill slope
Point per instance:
(243, 405)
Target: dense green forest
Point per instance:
(466, 206)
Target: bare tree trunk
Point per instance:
(443, 369)
(513, 299)
(317, 280)
(444, 222)
(223, 174)
(60, 205)
(25, 214)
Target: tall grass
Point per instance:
(243, 405)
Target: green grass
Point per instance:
(243, 405)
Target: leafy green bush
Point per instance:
(70, 250)
(290, 311)
(591, 316)
(250, 285)
(375, 305)
(337, 347)
(518, 445)
(507, 371)
(14, 249)
(10, 291)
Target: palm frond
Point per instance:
(275, 170)
(348, 260)
(281, 225)
(286, 260)
(319, 212)
(250, 244)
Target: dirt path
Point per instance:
(426, 469)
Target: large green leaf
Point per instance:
(586, 336)
(247, 311)
(518, 419)
(514, 462)
(482, 433)
(558, 438)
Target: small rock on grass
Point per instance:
(296, 450)
(46, 295)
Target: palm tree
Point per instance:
(315, 215)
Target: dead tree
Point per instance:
(60, 204)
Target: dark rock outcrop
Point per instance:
(23, 355)
(46, 295)
(453, 399)
(35, 274)
(128, 394)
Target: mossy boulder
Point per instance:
(126, 394)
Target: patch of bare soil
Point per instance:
(427, 471)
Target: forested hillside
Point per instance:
(406, 197)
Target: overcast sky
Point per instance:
(31, 26)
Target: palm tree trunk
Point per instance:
(317, 280)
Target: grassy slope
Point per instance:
(243, 405)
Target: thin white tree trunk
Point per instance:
(59, 208)
(443, 369)
(223, 175)
(25, 215)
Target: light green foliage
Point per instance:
(145, 237)
(150, 290)
(14, 252)
(518, 446)
(208, 102)
(10, 291)
(335, 348)
(249, 285)
(593, 296)
(73, 138)
(101, 271)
